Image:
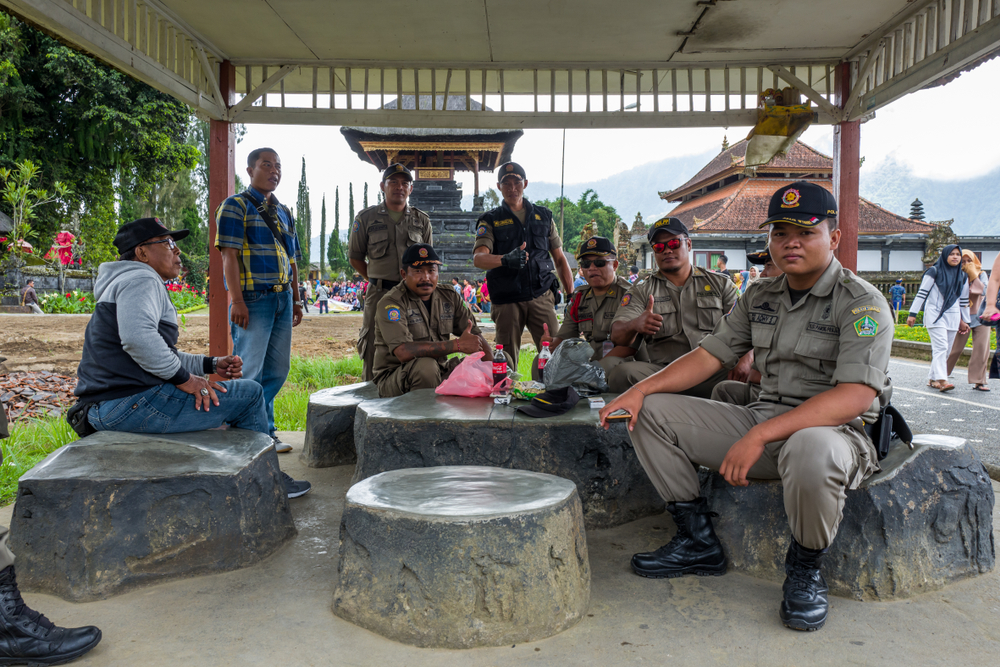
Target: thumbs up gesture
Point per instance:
(648, 322)
(468, 342)
(516, 259)
(546, 336)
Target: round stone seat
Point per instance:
(463, 556)
(112, 511)
(924, 521)
(422, 429)
(330, 424)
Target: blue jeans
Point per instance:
(266, 344)
(167, 409)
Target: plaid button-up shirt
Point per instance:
(263, 261)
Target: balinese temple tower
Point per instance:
(434, 156)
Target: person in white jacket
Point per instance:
(944, 298)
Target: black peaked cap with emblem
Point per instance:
(133, 233)
(802, 203)
(759, 258)
(394, 169)
(508, 168)
(672, 225)
(597, 245)
(419, 254)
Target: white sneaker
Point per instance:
(281, 447)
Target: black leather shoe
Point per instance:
(28, 638)
(805, 606)
(695, 548)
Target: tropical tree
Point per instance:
(322, 238)
(24, 202)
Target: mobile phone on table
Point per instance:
(618, 414)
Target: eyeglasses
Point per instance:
(169, 241)
(599, 263)
(673, 244)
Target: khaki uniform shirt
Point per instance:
(690, 312)
(376, 237)
(594, 315)
(403, 317)
(841, 331)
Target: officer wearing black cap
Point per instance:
(822, 338)
(671, 311)
(414, 327)
(518, 246)
(763, 259)
(379, 236)
(592, 307)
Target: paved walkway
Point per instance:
(278, 613)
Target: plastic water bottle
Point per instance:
(544, 356)
(499, 370)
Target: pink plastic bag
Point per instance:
(473, 378)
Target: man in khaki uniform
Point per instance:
(821, 338)
(518, 246)
(382, 233)
(671, 311)
(589, 312)
(414, 325)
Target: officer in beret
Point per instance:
(822, 338)
(518, 246)
(671, 311)
(590, 310)
(418, 324)
(379, 236)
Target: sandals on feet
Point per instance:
(981, 387)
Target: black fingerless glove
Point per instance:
(516, 259)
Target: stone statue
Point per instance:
(941, 236)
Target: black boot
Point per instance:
(28, 638)
(805, 605)
(695, 548)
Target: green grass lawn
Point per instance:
(920, 335)
(27, 445)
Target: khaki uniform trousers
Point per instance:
(512, 318)
(735, 392)
(625, 376)
(419, 373)
(816, 466)
(366, 340)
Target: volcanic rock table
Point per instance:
(330, 424)
(116, 510)
(463, 556)
(421, 429)
(924, 521)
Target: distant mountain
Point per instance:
(973, 203)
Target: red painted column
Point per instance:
(221, 184)
(846, 172)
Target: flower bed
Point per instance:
(78, 302)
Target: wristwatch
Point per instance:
(215, 364)
(297, 303)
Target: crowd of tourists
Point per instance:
(778, 372)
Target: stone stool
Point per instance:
(463, 556)
(112, 511)
(924, 521)
(421, 429)
(330, 425)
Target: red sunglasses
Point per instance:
(673, 244)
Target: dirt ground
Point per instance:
(54, 343)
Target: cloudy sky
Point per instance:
(945, 133)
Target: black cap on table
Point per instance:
(139, 231)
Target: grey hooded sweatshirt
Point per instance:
(131, 340)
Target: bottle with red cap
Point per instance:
(544, 356)
(499, 371)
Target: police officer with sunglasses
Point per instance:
(671, 311)
(591, 309)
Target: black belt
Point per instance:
(283, 287)
(384, 284)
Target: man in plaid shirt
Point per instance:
(261, 277)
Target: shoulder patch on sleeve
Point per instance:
(866, 327)
(865, 309)
(393, 313)
(481, 229)
(625, 300)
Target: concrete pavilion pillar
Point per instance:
(846, 172)
(221, 184)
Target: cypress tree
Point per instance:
(350, 202)
(303, 221)
(366, 195)
(322, 238)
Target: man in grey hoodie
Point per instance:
(132, 375)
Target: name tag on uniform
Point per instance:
(762, 318)
(660, 299)
(609, 316)
(819, 327)
(503, 223)
(377, 228)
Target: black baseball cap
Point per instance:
(138, 231)
(394, 169)
(551, 403)
(419, 254)
(802, 203)
(508, 168)
(759, 258)
(672, 225)
(599, 246)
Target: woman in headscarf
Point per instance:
(978, 280)
(944, 298)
